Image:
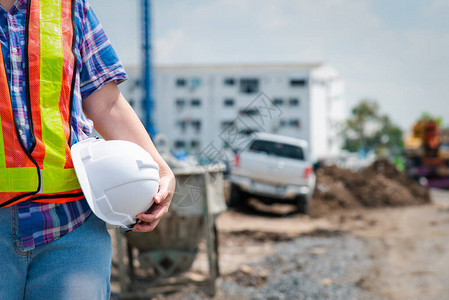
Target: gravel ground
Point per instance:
(309, 268)
(304, 268)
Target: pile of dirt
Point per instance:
(379, 185)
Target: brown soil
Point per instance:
(379, 185)
(410, 249)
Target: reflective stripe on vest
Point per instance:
(45, 172)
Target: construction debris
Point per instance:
(379, 185)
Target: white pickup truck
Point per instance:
(273, 168)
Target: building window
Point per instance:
(226, 124)
(180, 82)
(282, 123)
(180, 144)
(249, 85)
(229, 81)
(278, 101)
(195, 144)
(180, 103)
(249, 112)
(196, 124)
(294, 123)
(182, 124)
(248, 131)
(229, 102)
(293, 102)
(298, 82)
(195, 82)
(195, 102)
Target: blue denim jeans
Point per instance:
(76, 266)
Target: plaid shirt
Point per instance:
(97, 64)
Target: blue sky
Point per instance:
(395, 52)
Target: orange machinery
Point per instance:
(427, 153)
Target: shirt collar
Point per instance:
(17, 5)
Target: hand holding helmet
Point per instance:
(119, 179)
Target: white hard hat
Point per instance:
(119, 179)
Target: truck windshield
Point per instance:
(277, 149)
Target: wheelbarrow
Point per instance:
(172, 247)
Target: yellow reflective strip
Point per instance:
(59, 180)
(51, 83)
(19, 180)
(55, 178)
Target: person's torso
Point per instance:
(13, 39)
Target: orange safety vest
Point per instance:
(43, 173)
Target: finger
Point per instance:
(162, 192)
(154, 214)
(155, 208)
(160, 196)
(145, 227)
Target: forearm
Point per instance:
(115, 119)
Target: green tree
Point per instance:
(367, 129)
(429, 116)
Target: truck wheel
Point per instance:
(303, 205)
(236, 197)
